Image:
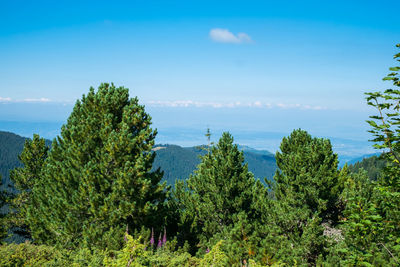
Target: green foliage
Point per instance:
(306, 192)
(221, 188)
(293, 234)
(308, 173)
(369, 238)
(136, 254)
(3, 199)
(252, 240)
(216, 257)
(261, 165)
(179, 162)
(28, 254)
(385, 125)
(96, 180)
(24, 178)
(176, 162)
(11, 146)
(32, 157)
(373, 166)
(372, 214)
(81, 257)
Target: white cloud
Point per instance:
(43, 100)
(225, 36)
(189, 103)
(257, 104)
(26, 100)
(5, 99)
(244, 37)
(186, 104)
(237, 104)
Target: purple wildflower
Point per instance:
(159, 245)
(152, 238)
(207, 250)
(164, 239)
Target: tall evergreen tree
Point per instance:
(306, 192)
(25, 178)
(217, 193)
(308, 173)
(97, 179)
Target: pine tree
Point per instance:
(220, 189)
(97, 179)
(294, 234)
(308, 173)
(306, 192)
(32, 157)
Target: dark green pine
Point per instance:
(306, 191)
(97, 179)
(220, 189)
(308, 173)
(25, 178)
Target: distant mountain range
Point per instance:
(346, 148)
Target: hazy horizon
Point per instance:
(251, 69)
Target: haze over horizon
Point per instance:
(253, 69)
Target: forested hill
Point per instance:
(372, 165)
(10, 147)
(176, 162)
(179, 162)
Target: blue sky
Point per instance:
(228, 65)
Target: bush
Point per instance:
(28, 254)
